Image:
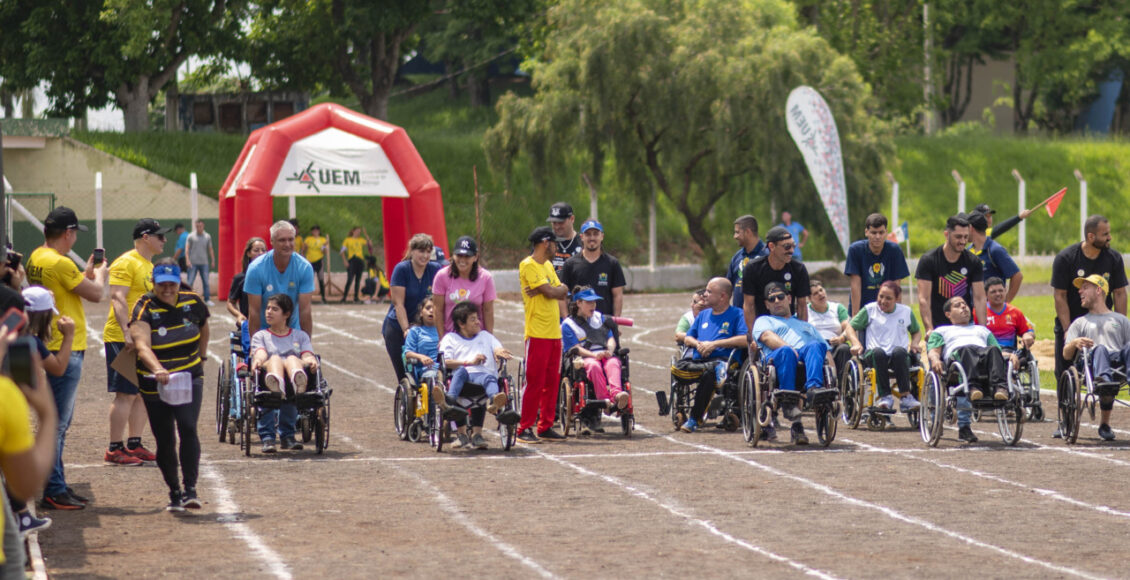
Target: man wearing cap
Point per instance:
(593, 267)
(750, 247)
(49, 266)
(777, 266)
(949, 270)
(995, 259)
(1107, 334)
(999, 229)
(568, 242)
(541, 290)
(199, 254)
(130, 278)
(872, 261)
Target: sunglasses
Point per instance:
(776, 298)
(788, 247)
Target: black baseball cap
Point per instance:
(559, 212)
(984, 209)
(148, 226)
(466, 246)
(541, 234)
(776, 234)
(978, 221)
(64, 218)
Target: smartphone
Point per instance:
(99, 256)
(13, 319)
(19, 360)
(14, 259)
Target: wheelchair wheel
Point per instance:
(1036, 412)
(1069, 405)
(520, 387)
(1010, 421)
(678, 403)
(437, 431)
(565, 405)
(400, 412)
(851, 393)
(250, 418)
(308, 424)
(223, 402)
(976, 415)
(321, 428)
(627, 424)
(932, 411)
(747, 402)
(826, 424)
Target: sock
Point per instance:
(133, 443)
(116, 446)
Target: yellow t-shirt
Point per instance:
(60, 275)
(15, 428)
(314, 248)
(298, 241)
(354, 247)
(133, 270)
(542, 313)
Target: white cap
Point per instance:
(39, 299)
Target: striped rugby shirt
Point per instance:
(175, 335)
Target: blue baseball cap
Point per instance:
(590, 224)
(163, 273)
(588, 295)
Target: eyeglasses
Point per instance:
(776, 298)
(788, 247)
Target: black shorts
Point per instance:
(317, 266)
(115, 382)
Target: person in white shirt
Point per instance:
(832, 320)
(889, 324)
(1107, 334)
(471, 351)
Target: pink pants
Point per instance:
(543, 372)
(606, 382)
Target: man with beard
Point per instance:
(593, 267)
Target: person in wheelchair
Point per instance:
(1107, 334)
(717, 330)
(421, 344)
(688, 317)
(282, 351)
(832, 320)
(471, 352)
(979, 353)
(588, 334)
(888, 323)
(785, 340)
(1007, 322)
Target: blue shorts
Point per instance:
(115, 382)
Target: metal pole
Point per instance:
(894, 200)
(291, 207)
(1082, 205)
(651, 239)
(927, 84)
(960, 191)
(192, 201)
(98, 210)
(1022, 201)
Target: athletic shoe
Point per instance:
(176, 502)
(769, 433)
(299, 380)
(886, 402)
(497, 402)
(269, 446)
(63, 501)
(551, 435)
(30, 523)
(142, 453)
(478, 441)
(272, 383)
(120, 457)
(440, 397)
(622, 399)
(210, 303)
(528, 437)
(690, 426)
(291, 444)
(189, 499)
(464, 440)
(586, 428)
(797, 434)
(1058, 432)
(975, 393)
(965, 433)
(1106, 432)
(77, 497)
(1000, 394)
(596, 426)
(908, 403)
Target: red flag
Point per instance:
(1053, 202)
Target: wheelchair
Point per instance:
(760, 398)
(232, 389)
(576, 397)
(411, 405)
(725, 403)
(1026, 375)
(313, 407)
(1078, 390)
(939, 403)
(859, 395)
(473, 399)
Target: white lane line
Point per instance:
(689, 518)
(1048, 493)
(229, 517)
(887, 511)
(1060, 449)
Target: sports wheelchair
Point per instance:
(1078, 390)
(576, 397)
(761, 398)
(680, 400)
(1026, 375)
(859, 394)
(939, 403)
(232, 388)
(411, 405)
(313, 407)
(470, 402)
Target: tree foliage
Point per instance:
(689, 98)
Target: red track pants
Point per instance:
(543, 372)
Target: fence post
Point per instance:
(894, 200)
(192, 202)
(1022, 201)
(1082, 205)
(960, 191)
(98, 210)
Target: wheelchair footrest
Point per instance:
(268, 399)
(786, 398)
(822, 396)
(881, 411)
(509, 417)
(594, 406)
(310, 400)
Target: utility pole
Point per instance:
(928, 84)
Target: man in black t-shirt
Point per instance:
(1092, 256)
(593, 267)
(568, 242)
(777, 266)
(947, 271)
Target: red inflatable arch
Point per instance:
(328, 150)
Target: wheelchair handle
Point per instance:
(622, 321)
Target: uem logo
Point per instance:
(326, 177)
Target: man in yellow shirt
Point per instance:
(131, 276)
(314, 248)
(353, 252)
(49, 266)
(541, 290)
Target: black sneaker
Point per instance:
(291, 444)
(30, 523)
(63, 501)
(797, 433)
(176, 502)
(77, 497)
(528, 437)
(551, 435)
(190, 500)
(965, 433)
(769, 433)
(1106, 432)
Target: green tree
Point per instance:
(688, 98)
(345, 46)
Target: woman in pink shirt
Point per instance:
(463, 281)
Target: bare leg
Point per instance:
(138, 417)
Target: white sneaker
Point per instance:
(210, 303)
(908, 403)
(886, 402)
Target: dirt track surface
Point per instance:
(662, 504)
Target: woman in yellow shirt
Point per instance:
(314, 248)
(353, 252)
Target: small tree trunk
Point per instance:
(172, 105)
(452, 81)
(134, 102)
(697, 229)
(478, 85)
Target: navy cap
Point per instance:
(984, 209)
(776, 234)
(591, 224)
(64, 218)
(541, 234)
(466, 246)
(148, 226)
(559, 212)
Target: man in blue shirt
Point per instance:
(280, 271)
(872, 261)
(716, 332)
(994, 257)
(784, 340)
(182, 241)
(800, 234)
(751, 246)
